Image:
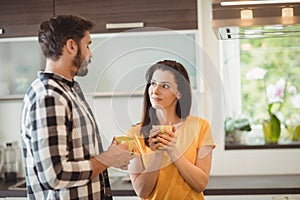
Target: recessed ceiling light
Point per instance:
(287, 12)
(246, 14)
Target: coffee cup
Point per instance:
(162, 129)
(125, 139)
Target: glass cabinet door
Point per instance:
(19, 63)
(119, 62)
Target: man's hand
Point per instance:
(117, 156)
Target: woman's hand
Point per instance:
(159, 141)
(167, 140)
(153, 141)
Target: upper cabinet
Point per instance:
(118, 57)
(22, 18)
(120, 15)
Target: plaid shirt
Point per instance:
(59, 136)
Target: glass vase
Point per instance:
(271, 130)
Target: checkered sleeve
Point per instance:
(51, 121)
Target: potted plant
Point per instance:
(275, 94)
(234, 128)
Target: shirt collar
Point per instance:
(57, 77)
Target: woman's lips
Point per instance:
(156, 99)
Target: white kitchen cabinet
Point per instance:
(19, 62)
(118, 65)
(15, 198)
(120, 60)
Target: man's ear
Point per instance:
(71, 47)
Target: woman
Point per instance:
(181, 168)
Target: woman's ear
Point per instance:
(178, 95)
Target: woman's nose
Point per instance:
(156, 89)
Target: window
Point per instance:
(277, 60)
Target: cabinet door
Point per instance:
(119, 63)
(22, 18)
(175, 15)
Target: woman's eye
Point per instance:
(153, 84)
(166, 86)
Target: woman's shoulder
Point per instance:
(197, 120)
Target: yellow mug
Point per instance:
(125, 139)
(162, 129)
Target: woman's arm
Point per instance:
(195, 175)
(144, 180)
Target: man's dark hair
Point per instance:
(55, 32)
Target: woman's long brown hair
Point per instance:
(183, 106)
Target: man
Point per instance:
(62, 149)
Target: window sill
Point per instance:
(262, 146)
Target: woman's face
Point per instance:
(163, 91)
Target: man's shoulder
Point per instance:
(41, 88)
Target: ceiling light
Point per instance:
(236, 3)
(287, 12)
(246, 14)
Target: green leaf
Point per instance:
(236, 124)
(275, 125)
(243, 125)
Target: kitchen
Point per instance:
(245, 162)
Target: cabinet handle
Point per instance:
(124, 25)
(1, 31)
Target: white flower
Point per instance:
(275, 92)
(256, 73)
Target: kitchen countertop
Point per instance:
(253, 185)
(218, 185)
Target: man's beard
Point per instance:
(81, 63)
